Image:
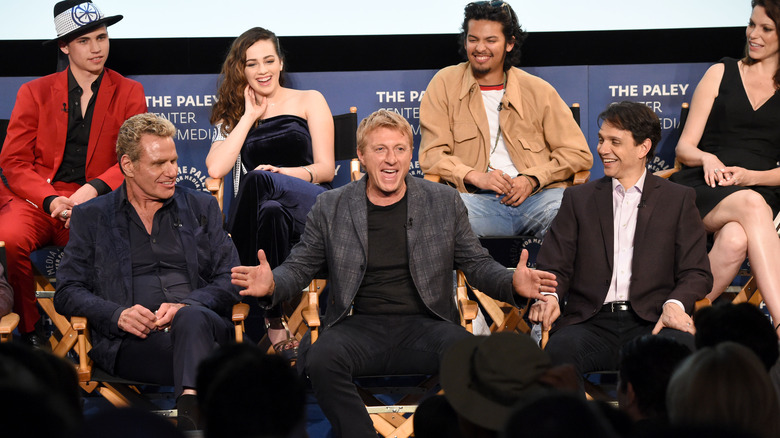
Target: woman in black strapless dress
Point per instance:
(279, 144)
(730, 148)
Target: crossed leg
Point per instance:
(749, 210)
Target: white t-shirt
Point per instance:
(499, 155)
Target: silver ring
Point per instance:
(717, 170)
(64, 214)
(689, 324)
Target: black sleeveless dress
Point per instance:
(738, 136)
(269, 210)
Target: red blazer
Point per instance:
(35, 142)
(670, 255)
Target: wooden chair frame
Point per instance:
(121, 392)
(8, 322)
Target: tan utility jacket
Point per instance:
(542, 137)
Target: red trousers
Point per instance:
(25, 228)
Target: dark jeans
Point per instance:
(594, 345)
(173, 357)
(362, 345)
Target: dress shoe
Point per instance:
(35, 340)
(189, 415)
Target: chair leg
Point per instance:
(747, 292)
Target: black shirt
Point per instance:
(74, 159)
(388, 287)
(158, 263)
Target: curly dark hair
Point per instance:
(772, 8)
(637, 118)
(499, 11)
(230, 94)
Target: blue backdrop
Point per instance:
(186, 101)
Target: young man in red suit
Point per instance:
(628, 251)
(60, 147)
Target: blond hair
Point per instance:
(128, 142)
(382, 119)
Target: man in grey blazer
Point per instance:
(628, 251)
(390, 243)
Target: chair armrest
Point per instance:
(7, 325)
(468, 309)
(84, 368)
(240, 312)
(666, 173)
(432, 177)
(545, 338)
(311, 313)
(216, 186)
(213, 184)
(581, 177)
(704, 302)
(79, 323)
(354, 170)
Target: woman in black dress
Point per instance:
(731, 148)
(278, 143)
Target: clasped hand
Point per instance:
(61, 206)
(139, 321)
(515, 190)
(716, 173)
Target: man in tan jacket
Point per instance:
(504, 138)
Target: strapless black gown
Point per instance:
(270, 209)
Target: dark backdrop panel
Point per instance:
(397, 52)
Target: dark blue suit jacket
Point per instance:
(94, 278)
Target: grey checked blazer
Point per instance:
(439, 238)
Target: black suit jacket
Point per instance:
(670, 255)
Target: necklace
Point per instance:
(498, 121)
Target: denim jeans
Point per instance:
(489, 217)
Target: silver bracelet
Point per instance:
(311, 175)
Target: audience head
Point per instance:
(558, 415)
(129, 423)
(742, 323)
(234, 76)
(74, 18)
(725, 385)
(434, 418)
(646, 365)
(243, 392)
(40, 393)
(484, 376)
(502, 13)
(636, 118)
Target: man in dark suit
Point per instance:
(149, 265)
(628, 251)
(390, 242)
(59, 150)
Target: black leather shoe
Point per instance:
(35, 340)
(189, 415)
